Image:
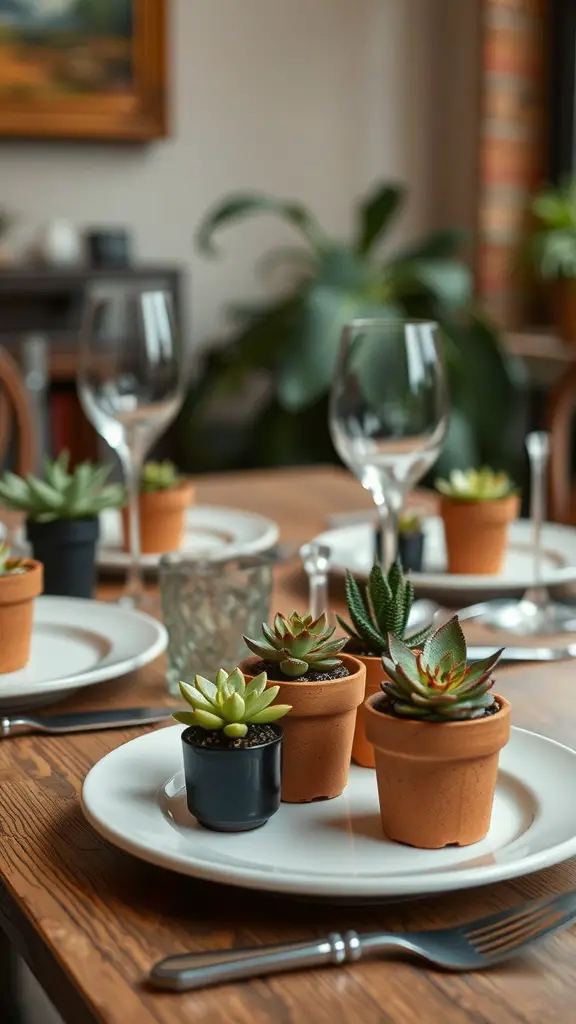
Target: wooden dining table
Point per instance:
(90, 921)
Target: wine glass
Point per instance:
(389, 412)
(131, 375)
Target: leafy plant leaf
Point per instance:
(246, 204)
(376, 213)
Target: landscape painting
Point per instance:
(61, 59)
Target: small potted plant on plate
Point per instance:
(437, 733)
(477, 507)
(62, 520)
(410, 541)
(324, 689)
(20, 584)
(164, 499)
(232, 751)
(383, 610)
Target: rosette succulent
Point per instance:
(436, 683)
(63, 494)
(159, 476)
(382, 611)
(229, 704)
(11, 566)
(476, 485)
(298, 643)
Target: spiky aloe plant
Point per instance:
(159, 476)
(229, 704)
(436, 684)
(298, 643)
(476, 485)
(384, 611)
(63, 494)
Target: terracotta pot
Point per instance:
(436, 780)
(476, 533)
(17, 595)
(565, 309)
(318, 732)
(162, 519)
(362, 749)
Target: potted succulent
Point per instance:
(384, 610)
(20, 584)
(62, 520)
(410, 542)
(324, 690)
(232, 751)
(437, 732)
(164, 498)
(552, 251)
(477, 507)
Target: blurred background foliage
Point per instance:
(276, 369)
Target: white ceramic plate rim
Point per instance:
(556, 538)
(233, 519)
(431, 881)
(89, 615)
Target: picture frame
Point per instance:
(136, 111)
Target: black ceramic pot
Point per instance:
(232, 790)
(108, 248)
(411, 551)
(67, 550)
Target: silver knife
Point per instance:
(83, 721)
(476, 653)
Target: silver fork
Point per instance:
(468, 947)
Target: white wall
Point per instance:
(312, 99)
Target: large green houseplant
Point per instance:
(294, 338)
(552, 251)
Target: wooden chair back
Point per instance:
(16, 411)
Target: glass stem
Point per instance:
(132, 460)
(537, 445)
(386, 534)
(318, 594)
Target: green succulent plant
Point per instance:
(436, 684)
(159, 476)
(384, 610)
(476, 485)
(552, 246)
(409, 522)
(63, 494)
(229, 704)
(298, 643)
(10, 566)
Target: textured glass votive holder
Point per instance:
(209, 605)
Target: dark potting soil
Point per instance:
(256, 736)
(387, 708)
(312, 676)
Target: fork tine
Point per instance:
(524, 915)
(555, 923)
(519, 932)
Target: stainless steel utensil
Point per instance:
(316, 561)
(84, 721)
(469, 947)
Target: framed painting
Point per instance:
(83, 69)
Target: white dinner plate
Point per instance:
(77, 643)
(208, 529)
(352, 548)
(334, 848)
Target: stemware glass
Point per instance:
(389, 412)
(131, 374)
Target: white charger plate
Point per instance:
(208, 529)
(352, 548)
(135, 798)
(77, 643)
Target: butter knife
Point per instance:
(476, 653)
(83, 721)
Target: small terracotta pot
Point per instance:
(565, 309)
(476, 533)
(17, 595)
(436, 780)
(362, 749)
(318, 732)
(162, 519)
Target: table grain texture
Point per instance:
(90, 920)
